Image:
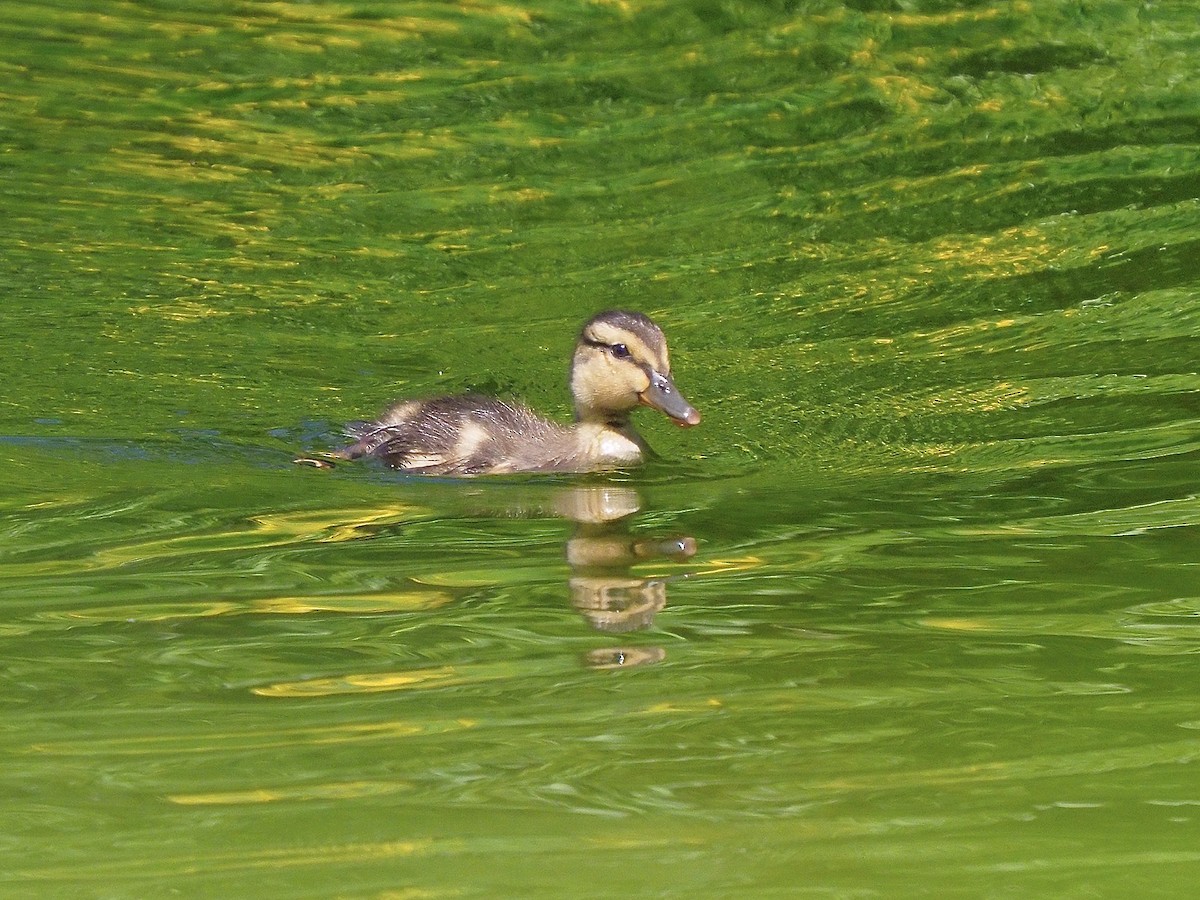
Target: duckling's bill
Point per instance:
(665, 397)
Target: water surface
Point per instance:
(929, 271)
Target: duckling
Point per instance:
(620, 361)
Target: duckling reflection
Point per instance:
(601, 555)
(600, 550)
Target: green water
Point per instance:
(930, 270)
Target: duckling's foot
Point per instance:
(322, 462)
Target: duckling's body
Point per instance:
(620, 361)
(473, 435)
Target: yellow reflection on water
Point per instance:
(732, 564)
(370, 683)
(270, 530)
(207, 743)
(712, 704)
(383, 602)
(344, 791)
(1020, 769)
(243, 858)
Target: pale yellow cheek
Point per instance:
(623, 386)
(607, 383)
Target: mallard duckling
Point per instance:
(620, 361)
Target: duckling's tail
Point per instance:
(357, 430)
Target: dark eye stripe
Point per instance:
(620, 351)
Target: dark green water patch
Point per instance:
(928, 270)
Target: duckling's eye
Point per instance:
(620, 351)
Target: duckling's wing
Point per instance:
(418, 443)
(459, 435)
(372, 439)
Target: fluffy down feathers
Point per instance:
(620, 362)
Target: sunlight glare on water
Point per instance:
(912, 612)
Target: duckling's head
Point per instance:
(620, 361)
